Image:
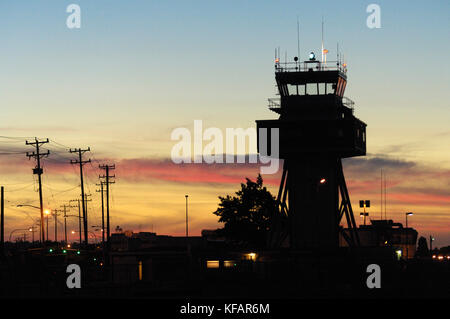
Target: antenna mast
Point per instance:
(322, 39)
(298, 40)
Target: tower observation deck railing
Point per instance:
(308, 66)
(276, 103)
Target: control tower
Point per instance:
(317, 128)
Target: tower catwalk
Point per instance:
(317, 129)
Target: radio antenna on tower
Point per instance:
(322, 38)
(298, 39)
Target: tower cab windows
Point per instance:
(311, 89)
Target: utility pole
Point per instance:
(81, 163)
(107, 182)
(65, 222)
(38, 171)
(55, 214)
(101, 190)
(79, 216)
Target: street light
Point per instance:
(47, 213)
(364, 204)
(187, 233)
(41, 227)
(408, 214)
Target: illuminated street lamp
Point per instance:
(408, 214)
(47, 213)
(364, 204)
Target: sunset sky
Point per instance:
(136, 70)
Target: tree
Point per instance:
(247, 216)
(422, 248)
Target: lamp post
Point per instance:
(187, 232)
(408, 214)
(364, 204)
(47, 213)
(32, 233)
(407, 235)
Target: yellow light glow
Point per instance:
(140, 270)
(212, 264)
(46, 212)
(251, 256)
(229, 263)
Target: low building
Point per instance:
(387, 233)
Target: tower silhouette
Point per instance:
(317, 128)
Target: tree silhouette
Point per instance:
(247, 216)
(422, 248)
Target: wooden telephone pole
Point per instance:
(38, 171)
(81, 163)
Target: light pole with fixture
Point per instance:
(408, 214)
(187, 232)
(364, 204)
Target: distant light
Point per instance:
(229, 263)
(46, 212)
(73, 232)
(409, 214)
(312, 56)
(50, 250)
(64, 251)
(212, 264)
(78, 252)
(325, 51)
(31, 229)
(386, 242)
(251, 256)
(323, 181)
(399, 254)
(434, 256)
(68, 246)
(101, 264)
(95, 259)
(277, 60)
(441, 257)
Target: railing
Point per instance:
(310, 66)
(348, 103)
(276, 103)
